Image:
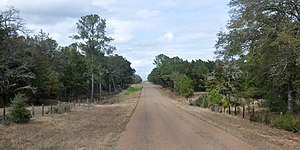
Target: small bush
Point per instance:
(1, 117)
(263, 116)
(18, 112)
(248, 108)
(215, 97)
(288, 122)
(61, 108)
(268, 117)
(215, 108)
(256, 117)
(67, 108)
(185, 86)
(56, 110)
(201, 102)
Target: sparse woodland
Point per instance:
(36, 66)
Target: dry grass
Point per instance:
(259, 135)
(88, 127)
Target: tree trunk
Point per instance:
(290, 96)
(113, 83)
(235, 113)
(100, 87)
(92, 89)
(100, 90)
(109, 86)
(291, 87)
(122, 84)
(229, 108)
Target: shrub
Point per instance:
(215, 97)
(201, 102)
(18, 112)
(67, 108)
(61, 108)
(261, 116)
(256, 117)
(56, 110)
(185, 86)
(267, 117)
(1, 117)
(288, 122)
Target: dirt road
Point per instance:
(158, 124)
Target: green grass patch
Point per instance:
(288, 122)
(133, 90)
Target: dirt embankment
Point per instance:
(259, 135)
(88, 127)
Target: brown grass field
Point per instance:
(86, 127)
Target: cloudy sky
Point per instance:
(142, 29)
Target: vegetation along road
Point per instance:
(158, 124)
(248, 97)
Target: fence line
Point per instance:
(43, 110)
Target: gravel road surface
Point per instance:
(158, 124)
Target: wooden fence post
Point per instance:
(51, 109)
(235, 110)
(243, 111)
(253, 111)
(32, 110)
(42, 109)
(4, 117)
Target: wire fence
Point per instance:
(43, 110)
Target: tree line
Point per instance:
(41, 69)
(181, 76)
(258, 58)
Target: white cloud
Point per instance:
(122, 30)
(103, 2)
(3, 2)
(167, 37)
(168, 4)
(140, 63)
(53, 11)
(59, 31)
(144, 13)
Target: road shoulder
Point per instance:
(259, 135)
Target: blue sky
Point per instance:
(142, 29)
